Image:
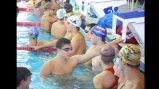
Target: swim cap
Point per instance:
(130, 54)
(30, 4)
(107, 54)
(99, 31)
(33, 32)
(60, 14)
(75, 20)
(108, 51)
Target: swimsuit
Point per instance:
(114, 85)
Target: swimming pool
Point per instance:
(81, 77)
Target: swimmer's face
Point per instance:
(66, 50)
(65, 21)
(93, 38)
(69, 26)
(51, 11)
(88, 33)
(26, 83)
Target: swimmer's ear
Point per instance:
(22, 82)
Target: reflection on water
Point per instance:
(27, 17)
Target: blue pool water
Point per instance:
(81, 77)
(27, 16)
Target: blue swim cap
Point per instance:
(99, 31)
(34, 32)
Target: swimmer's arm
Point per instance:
(50, 44)
(60, 2)
(89, 50)
(79, 59)
(117, 40)
(44, 4)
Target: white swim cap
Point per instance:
(75, 20)
(60, 13)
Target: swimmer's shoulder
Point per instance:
(90, 48)
(55, 23)
(50, 62)
(79, 37)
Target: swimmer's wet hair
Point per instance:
(68, 7)
(47, 0)
(22, 74)
(91, 25)
(61, 42)
(78, 28)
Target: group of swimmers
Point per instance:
(115, 67)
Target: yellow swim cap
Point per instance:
(30, 4)
(130, 54)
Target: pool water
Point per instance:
(81, 77)
(27, 17)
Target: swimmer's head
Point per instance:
(47, 6)
(30, 4)
(88, 27)
(68, 7)
(33, 32)
(23, 74)
(75, 20)
(130, 54)
(107, 54)
(99, 31)
(60, 14)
